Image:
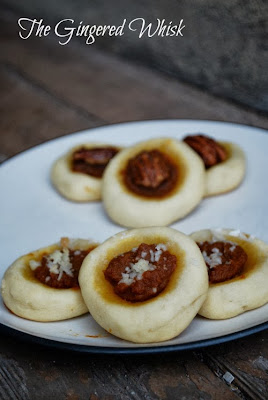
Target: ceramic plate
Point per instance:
(34, 215)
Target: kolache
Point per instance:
(145, 285)
(225, 163)
(43, 285)
(77, 175)
(153, 183)
(237, 266)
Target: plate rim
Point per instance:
(89, 349)
(262, 131)
(133, 350)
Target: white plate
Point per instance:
(34, 216)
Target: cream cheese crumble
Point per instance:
(135, 271)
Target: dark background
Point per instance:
(223, 50)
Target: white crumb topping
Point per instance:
(241, 235)
(155, 255)
(217, 234)
(77, 252)
(152, 255)
(135, 271)
(214, 258)
(34, 264)
(59, 262)
(161, 246)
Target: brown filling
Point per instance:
(44, 275)
(151, 174)
(229, 258)
(209, 150)
(92, 161)
(149, 283)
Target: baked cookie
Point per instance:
(43, 285)
(153, 183)
(145, 285)
(224, 162)
(78, 174)
(238, 272)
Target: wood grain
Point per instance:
(109, 87)
(246, 360)
(30, 115)
(69, 375)
(12, 381)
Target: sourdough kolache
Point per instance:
(78, 174)
(145, 285)
(224, 162)
(43, 285)
(153, 183)
(238, 272)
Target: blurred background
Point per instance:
(217, 70)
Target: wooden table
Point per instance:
(48, 91)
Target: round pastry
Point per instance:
(237, 267)
(43, 285)
(153, 183)
(145, 285)
(224, 162)
(78, 174)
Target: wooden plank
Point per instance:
(30, 116)
(12, 381)
(64, 375)
(242, 364)
(109, 87)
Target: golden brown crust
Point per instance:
(225, 162)
(27, 297)
(247, 291)
(228, 175)
(76, 186)
(132, 210)
(160, 318)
